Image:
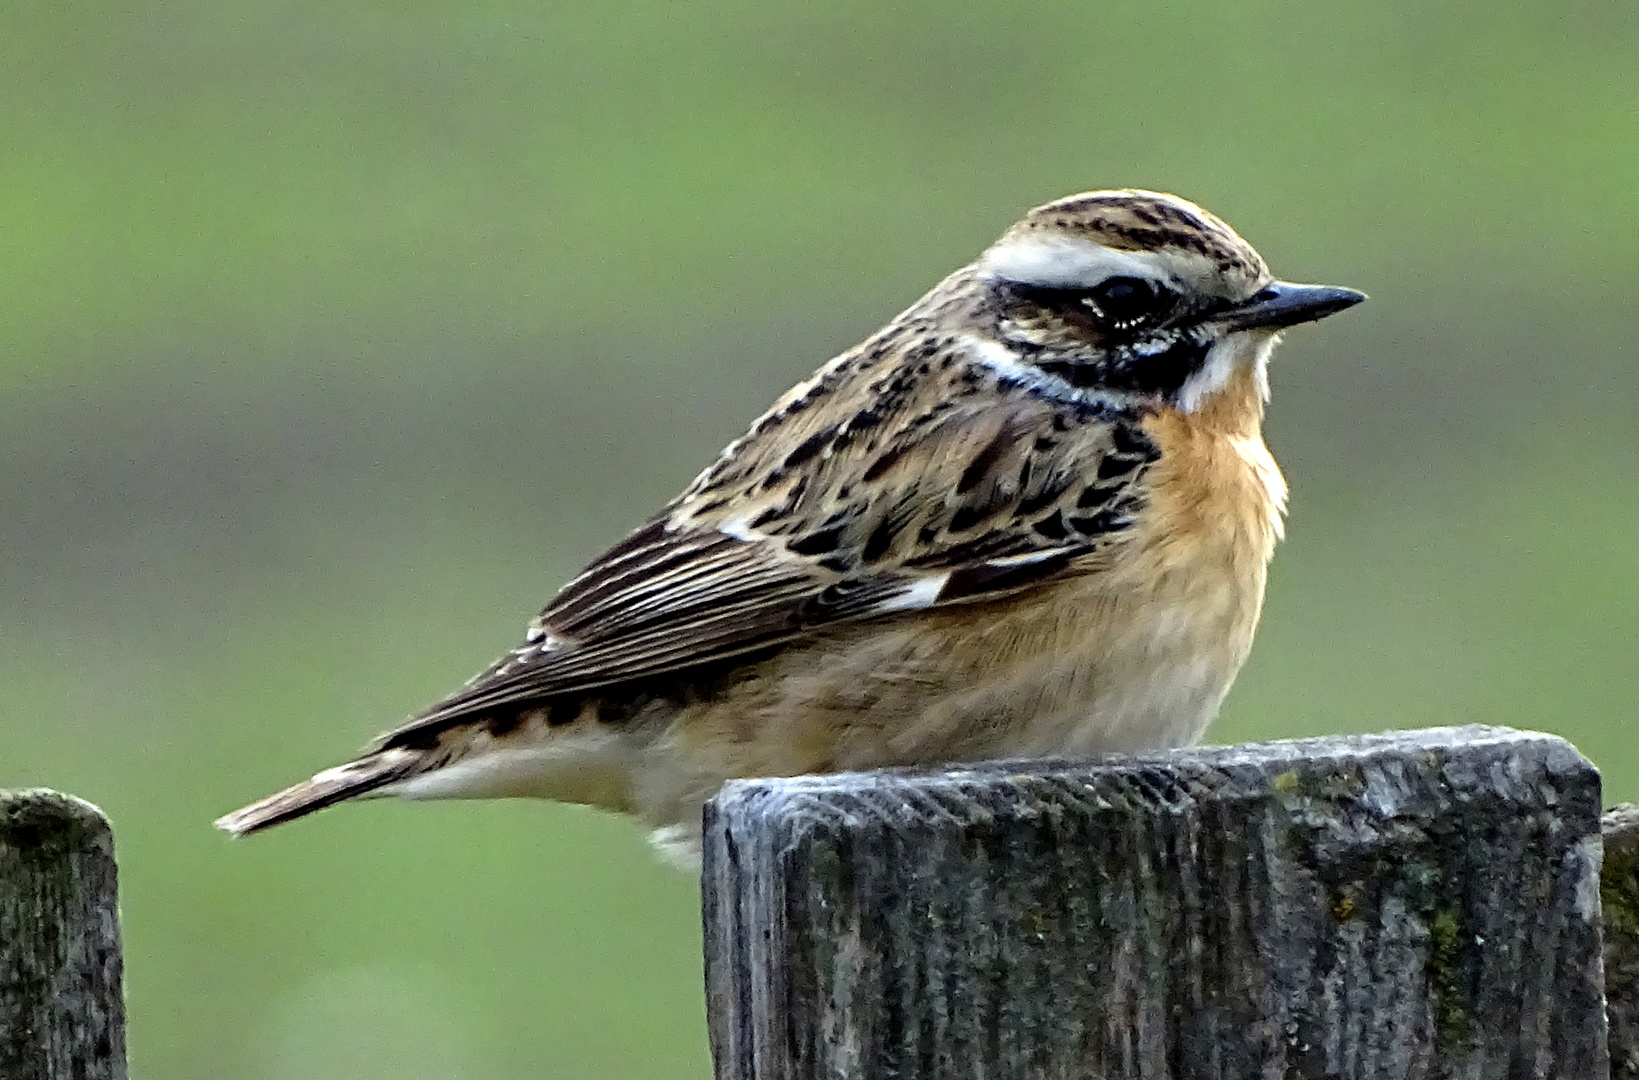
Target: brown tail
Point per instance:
(327, 788)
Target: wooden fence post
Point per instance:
(1418, 904)
(62, 1010)
(1619, 889)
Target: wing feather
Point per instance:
(935, 504)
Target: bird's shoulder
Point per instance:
(907, 449)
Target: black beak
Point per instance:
(1280, 304)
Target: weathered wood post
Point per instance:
(62, 1010)
(1419, 904)
(1619, 890)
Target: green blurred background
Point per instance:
(335, 335)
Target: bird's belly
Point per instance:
(1078, 669)
(1138, 654)
(1154, 679)
(1082, 673)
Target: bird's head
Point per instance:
(1138, 298)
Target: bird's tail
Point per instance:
(332, 786)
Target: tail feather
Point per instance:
(332, 786)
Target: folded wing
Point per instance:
(924, 509)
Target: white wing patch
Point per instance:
(740, 529)
(1027, 558)
(922, 593)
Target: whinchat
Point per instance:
(1031, 515)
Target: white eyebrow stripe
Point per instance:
(992, 354)
(1071, 262)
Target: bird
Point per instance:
(1030, 516)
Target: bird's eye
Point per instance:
(1125, 302)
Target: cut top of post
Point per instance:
(1385, 769)
(62, 1008)
(1359, 907)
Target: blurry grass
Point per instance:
(1509, 599)
(556, 943)
(559, 944)
(278, 173)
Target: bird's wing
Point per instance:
(791, 532)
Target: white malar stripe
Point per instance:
(1068, 262)
(923, 593)
(1000, 359)
(1227, 354)
(1006, 364)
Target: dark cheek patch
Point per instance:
(1064, 342)
(1163, 373)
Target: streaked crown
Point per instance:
(1082, 239)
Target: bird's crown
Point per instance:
(1082, 239)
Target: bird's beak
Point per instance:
(1281, 304)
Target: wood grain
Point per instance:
(1418, 904)
(62, 1008)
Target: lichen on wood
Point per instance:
(1421, 904)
